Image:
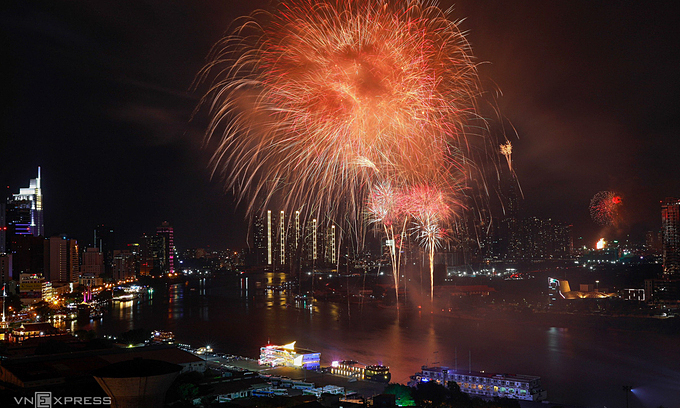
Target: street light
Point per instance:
(627, 389)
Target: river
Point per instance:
(579, 366)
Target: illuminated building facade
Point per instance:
(64, 262)
(282, 240)
(670, 228)
(259, 241)
(351, 368)
(123, 265)
(3, 228)
(24, 211)
(270, 238)
(145, 255)
(167, 232)
(559, 288)
(5, 268)
(488, 385)
(543, 239)
(289, 356)
(331, 254)
(31, 288)
(663, 292)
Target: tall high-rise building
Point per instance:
(64, 264)
(270, 225)
(330, 249)
(5, 268)
(270, 238)
(510, 224)
(541, 239)
(104, 240)
(670, 227)
(167, 232)
(313, 241)
(24, 211)
(3, 228)
(282, 239)
(259, 241)
(123, 265)
(145, 255)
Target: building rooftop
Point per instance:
(503, 376)
(137, 367)
(65, 366)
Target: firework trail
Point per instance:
(385, 207)
(604, 207)
(431, 209)
(316, 102)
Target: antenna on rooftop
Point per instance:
(470, 361)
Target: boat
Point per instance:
(358, 371)
(164, 337)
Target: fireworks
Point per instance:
(314, 103)
(386, 207)
(604, 207)
(338, 108)
(431, 208)
(506, 150)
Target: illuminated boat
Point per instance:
(353, 369)
(289, 356)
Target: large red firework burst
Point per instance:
(321, 100)
(604, 207)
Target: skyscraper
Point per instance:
(24, 212)
(3, 229)
(104, 240)
(670, 227)
(167, 232)
(259, 256)
(123, 265)
(64, 263)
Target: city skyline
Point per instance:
(104, 107)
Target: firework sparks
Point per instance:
(319, 100)
(604, 207)
(386, 207)
(431, 208)
(506, 150)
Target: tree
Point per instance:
(134, 336)
(402, 394)
(432, 395)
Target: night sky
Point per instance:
(100, 95)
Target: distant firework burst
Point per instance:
(604, 207)
(316, 102)
(506, 150)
